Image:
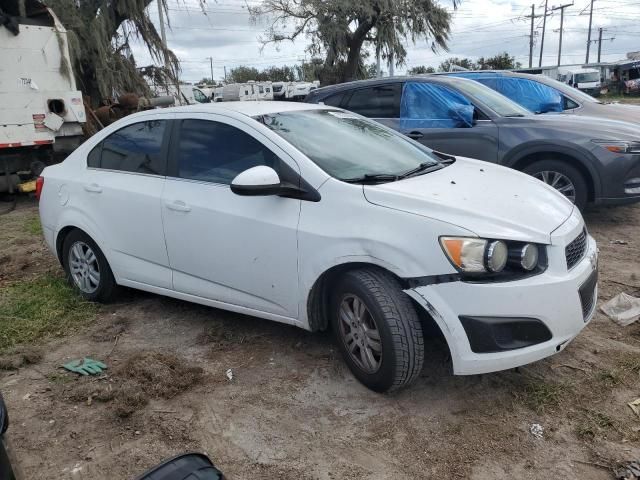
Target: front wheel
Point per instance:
(565, 178)
(377, 329)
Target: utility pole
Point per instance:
(589, 34)
(544, 26)
(561, 8)
(211, 65)
(225, 74)
(533, 16)
(599, 42)
(378, 66)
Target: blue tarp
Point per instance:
(426, 105)
(532, 95)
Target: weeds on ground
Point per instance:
(595, 424)
(541, 396)
(41, 307)
(32, 226)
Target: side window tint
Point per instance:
(93, 159)
(216, 152)
(334, 100)
(568, 104)
(135, 148)
(382, 101)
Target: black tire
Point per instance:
(398, 324)
(106, 286)
(563, 168)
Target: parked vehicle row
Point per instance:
(321, 218)
(587, 159)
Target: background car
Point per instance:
(541, 94)
(586, 159)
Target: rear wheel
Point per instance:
(86, 267)
(377, 329)
(563, 177)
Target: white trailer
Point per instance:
(42, 111)
(585, 79)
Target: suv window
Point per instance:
(199, 96)
(216, 152)
(381, 101)
(334, 100)
(135, 148)
(568, 104)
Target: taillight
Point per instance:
(39, 185)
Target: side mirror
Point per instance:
(257, 181)
(4, 416)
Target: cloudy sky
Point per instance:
(480, 28)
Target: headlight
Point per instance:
(484, 257)
(619, 146)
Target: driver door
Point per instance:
(239, 250)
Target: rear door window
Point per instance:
(334, 100)
(215, 152)
(381, 101)
(136, 148)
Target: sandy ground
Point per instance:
(293, 410)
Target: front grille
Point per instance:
(588, 295)
(576, 249)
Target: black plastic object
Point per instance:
(4, 416)
(188, 466)
(499, 334)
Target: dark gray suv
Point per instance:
(587, 159)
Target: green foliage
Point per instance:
(343, 28)
(449, 64)
(308, 72)
(100, 32)
(421, 70)
(502, 61)
(35, 308)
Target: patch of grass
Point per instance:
(40, 307)
(540, 396)
(593, 424)
(32, 226)
(59, 378)
(610, 378)
(630, 364)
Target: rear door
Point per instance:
(122, 193)
(378, 102)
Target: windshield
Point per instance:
(492, 99)
(347, 146)
(575, 94)
(587, 77)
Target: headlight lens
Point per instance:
(529, 257)
(477, 256)
(619, 146)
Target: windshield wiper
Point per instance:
(373, 178)
(421, 169)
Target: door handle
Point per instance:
(178, 206)
(415, 135)
(93, 188)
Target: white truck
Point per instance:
(42, 112)
(585, 79)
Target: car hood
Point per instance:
(489, 200)
(616, 111)
(585, 125)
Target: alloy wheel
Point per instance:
(560, 182)
(84, 268)
(360, 334)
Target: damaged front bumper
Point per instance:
(527, 320)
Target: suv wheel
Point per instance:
(86, 267)
(563, 177)
(377, 329)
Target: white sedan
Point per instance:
(319, 218)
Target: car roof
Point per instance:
(248, 108)
(383, 80)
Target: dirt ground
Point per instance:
(292, 409)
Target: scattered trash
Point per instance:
(635, 406)
(230, 374)
(623, 309)
(536, 430)
(628, 471)
(619, 242)
(26, 396)
(85, 366)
